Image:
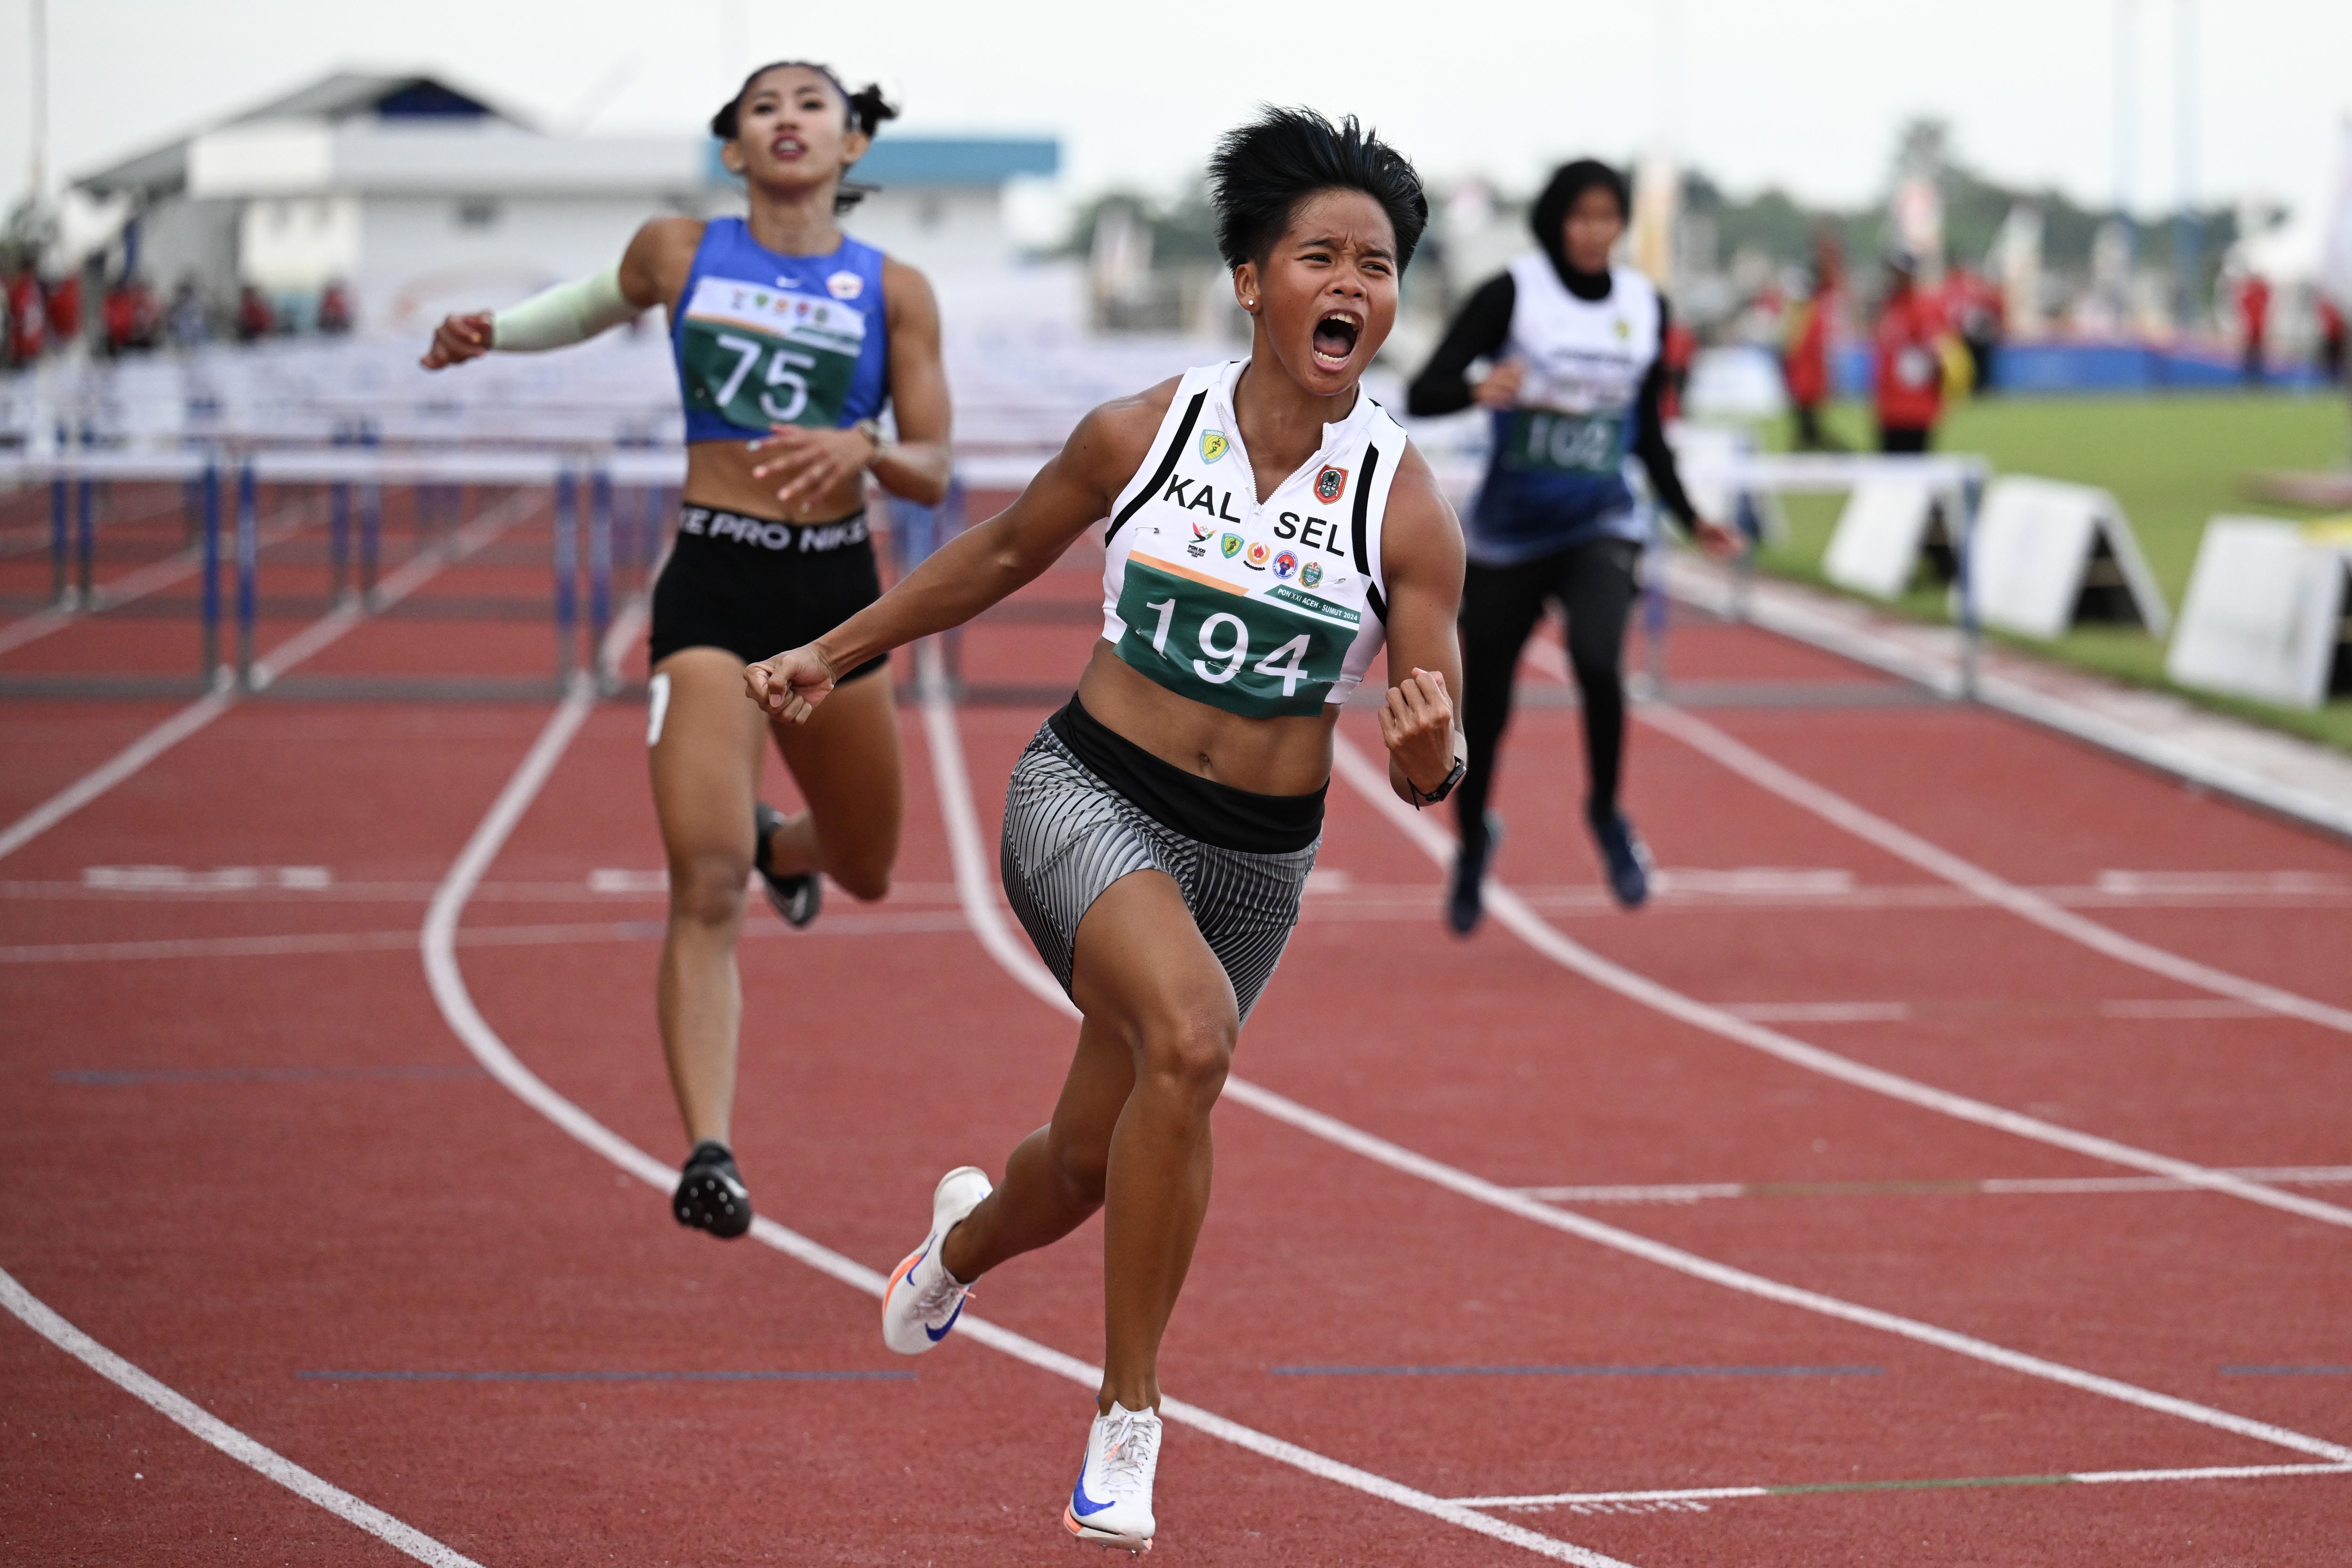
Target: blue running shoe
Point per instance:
(1626, 857)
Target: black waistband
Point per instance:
(769, 533)
(1196, 807)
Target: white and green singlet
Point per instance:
(1261, 608)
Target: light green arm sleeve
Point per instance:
(568, 314)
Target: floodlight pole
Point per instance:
(37, 58)
(2127, 124)
(2188, 225)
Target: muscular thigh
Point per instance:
(704, 755)
(1141, 965)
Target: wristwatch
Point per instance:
(872, 430)
(1444, 786)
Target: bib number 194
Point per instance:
(1285, 664)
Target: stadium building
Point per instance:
(422, 198)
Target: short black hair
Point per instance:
(1262, 170)
(1568, 181)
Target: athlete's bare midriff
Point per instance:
(1288, 756)
(719, 475)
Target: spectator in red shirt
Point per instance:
(1910, 340)
(64, 306)
(254, 318)
(335, 309)
(130, 317)
(1805, 363)
(29, 317)
(2254, 318)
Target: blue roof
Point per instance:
(942, 160)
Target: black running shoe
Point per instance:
(1466, 895)
(1626, 857)
(711, 1193)
(797, 898)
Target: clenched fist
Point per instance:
(1417, 724)
(458, 338)
(789, 685)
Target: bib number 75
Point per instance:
(784, 366)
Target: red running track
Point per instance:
(245, 1149)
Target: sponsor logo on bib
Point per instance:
(1231, 544)
(1200, 533)
(1256, 559)
(1285, 564)
(1330, 483)
(844, 285)
(1213, 445)
(1311, 574)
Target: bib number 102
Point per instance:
(1224, 639)
(784, 367)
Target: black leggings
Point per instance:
(1594, 585)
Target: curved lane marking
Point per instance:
(186, 1413)
(438, 941)
(989, 924)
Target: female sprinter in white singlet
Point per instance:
(790, 337)
(1270, 527)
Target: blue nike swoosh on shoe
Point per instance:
(941, 1332)
(1081, 1504)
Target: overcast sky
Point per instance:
(1805, 94)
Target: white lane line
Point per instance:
(1936, 861)
(410, 576)
(989, 924)
(456, 1004)
(177, 1407)
(137, 584)
(1371, 783)
(2073, 1478)
(1696, 1192)
(912, 922)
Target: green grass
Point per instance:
(2171, 461)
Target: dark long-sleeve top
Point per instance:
(1480, 329)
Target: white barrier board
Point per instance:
(1707, 455)
(2263, 613)
(1879, 535)
(2041, 543)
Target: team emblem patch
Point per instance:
(1285, 564)
(1231, 544)
(1624, 328)
(844, 285)
(1257, 555)
(1330, 483)
(1311, 573)
(1200, 533)
(1213, 445)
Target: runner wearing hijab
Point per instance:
(791, 338)
(1270, 526)
(1574, 383)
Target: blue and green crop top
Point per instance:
(763, 338)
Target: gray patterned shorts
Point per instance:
(1068, 835)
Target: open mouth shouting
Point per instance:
(786, 148)
(1336, 336)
